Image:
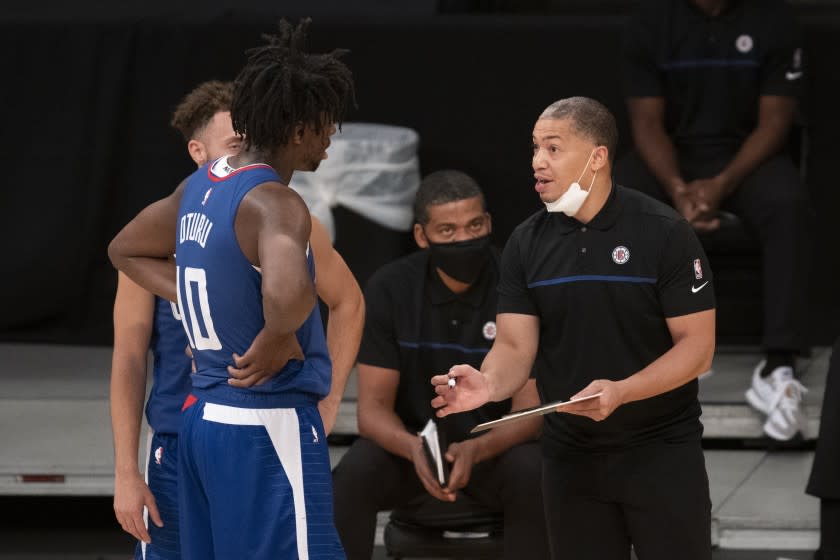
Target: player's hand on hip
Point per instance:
(424, 472)
(264, 359)
(470, 390)
(463, 456)
(131, 495)
(598, 408)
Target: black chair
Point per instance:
(429, 528)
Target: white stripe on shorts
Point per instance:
(284, 430)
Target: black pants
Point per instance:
(655, 498)
(773, 203)
(824, 481)
(369, 479)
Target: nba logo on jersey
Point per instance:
(314, 434)
(698, 270)
(206, 196)
(158, 455)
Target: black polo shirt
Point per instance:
(417, 326)
(602, 292)
(712, 70)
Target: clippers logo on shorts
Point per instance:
(620, 254)
(489, 330)
(698, 269)
(158, 455)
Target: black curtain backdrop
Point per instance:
(85, 141)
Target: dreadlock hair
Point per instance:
(283, 86)
(199, 106)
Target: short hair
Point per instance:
(589, 118)
(199, 106)
(444, 186)
(283, 86)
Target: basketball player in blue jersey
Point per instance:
(142, 322)
(254, 476)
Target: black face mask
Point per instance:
(462, 260)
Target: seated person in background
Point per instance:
(425, 312)
(711, 90)
(144, 322)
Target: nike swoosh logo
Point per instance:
(793, 75)
(698, 288)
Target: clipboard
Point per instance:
(537, 410)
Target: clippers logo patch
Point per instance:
(158, 455)
(698, 269)
(489, 330)
(744, 44)
(620, 254)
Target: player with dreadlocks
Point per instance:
(254, 473)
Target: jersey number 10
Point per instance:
(193, 309)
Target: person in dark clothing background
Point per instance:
(711, 89)
(824, 482)
(425, 311)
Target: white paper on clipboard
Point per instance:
(537, 410)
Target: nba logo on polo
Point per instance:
(620, 254)
(698, 270)
(158, 455)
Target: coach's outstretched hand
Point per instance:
(264, 359)
(471, 390)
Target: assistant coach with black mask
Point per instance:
(425, 312)
(605, 291)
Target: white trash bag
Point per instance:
(372, 169)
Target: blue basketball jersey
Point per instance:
(219, 293)
(171, 371)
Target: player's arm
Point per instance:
(504, 371)
(340, 291)
(651, 140)
(378, 421)
(133, 316)
(283, 230)
(142, 249)
(775, 117)
(273, 226)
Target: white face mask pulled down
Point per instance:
(571, 200)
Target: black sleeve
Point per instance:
(782, 70)
(379, 343)
(685, 278)
(513, 285)
(640, 72)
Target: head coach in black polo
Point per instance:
(426, 311)
(711, 88)
(605, 291)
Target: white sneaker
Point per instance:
(779, 396)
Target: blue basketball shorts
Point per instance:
(256, 484)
